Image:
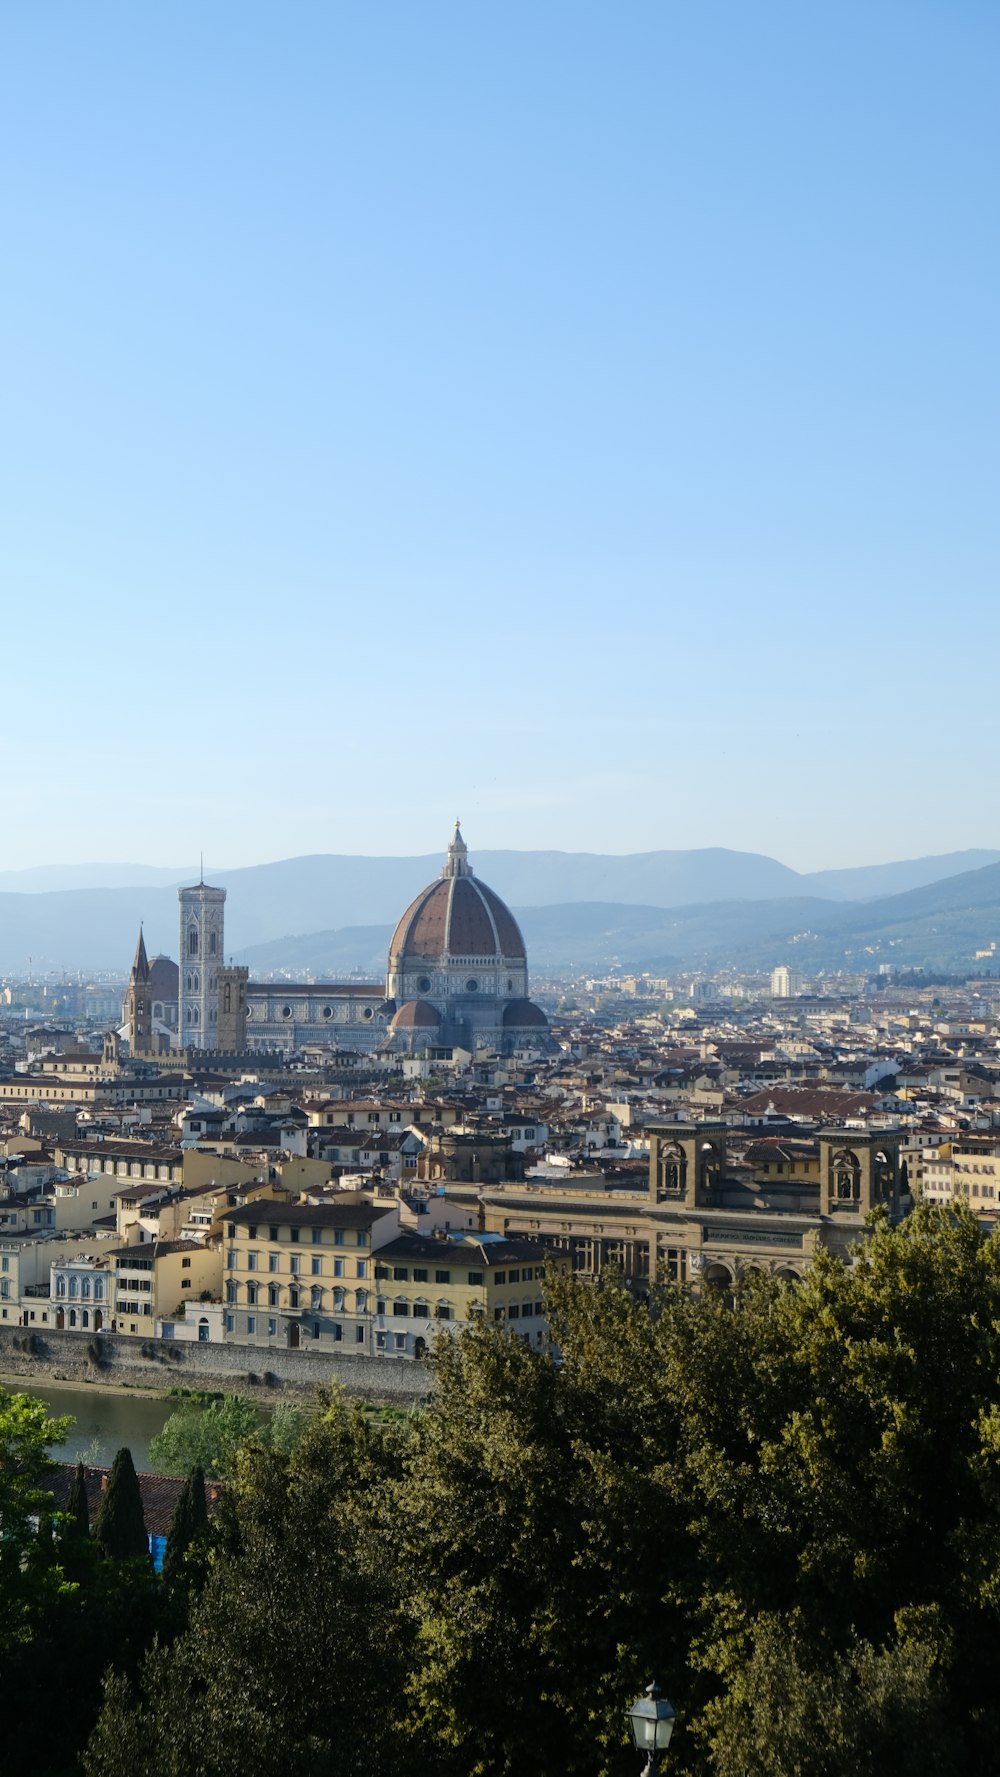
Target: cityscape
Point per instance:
(516, 1292)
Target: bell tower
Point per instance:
(202, 929)
(687, 1163)
(139, 1003)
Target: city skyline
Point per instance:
(577, 419)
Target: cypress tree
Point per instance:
(188, 1523)
(119, 1528)
(77, 1505)
(199, 1510)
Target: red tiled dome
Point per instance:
(522, 1013)
(416, 1015)
(457, 916)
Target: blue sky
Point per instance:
(581, 418)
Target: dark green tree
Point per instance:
(293, 1647)
(119, 1527)
(188, 1523)
(77, 1506)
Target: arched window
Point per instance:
(213, 943)
(74, 1286)
(672, 1171)
(60, 1286)
(98, 1289)
(85, 1287)
(193, 941)
(846, 1176)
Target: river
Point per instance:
(105, 1420)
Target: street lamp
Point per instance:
(651, 1719)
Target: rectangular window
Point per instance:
(338, 1236)
(420, 1274)
(513, 1311)
(251, 1323)
(317, 1236)
(272, 1261)
(252, 1231)
(272, 1328)
(317, 1267)
(500, 1277)
(362, 1267)
(272, 1233)
(185, 1264)
(231, 1260)
(251, 1261)
(400, 1274)
(420, 1311)
(514, 1277)
(442, 1277)
(252, 1293)
(400, 1341)
(338, 1267)
(294, 1233)
(359, 1335)
(230, 1323)
(475, 1279)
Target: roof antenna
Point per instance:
(201, 870)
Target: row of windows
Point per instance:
(272, 1293)
(276, 1234)
(80, 1286)
(258, 1324)
(401, 1274)
(237, 1261)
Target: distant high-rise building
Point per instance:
(785, 983)
(202, 929)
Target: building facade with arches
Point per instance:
(699, 1223)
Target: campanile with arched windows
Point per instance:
(201, 937)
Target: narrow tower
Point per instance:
(139, 1003)
(201, 938)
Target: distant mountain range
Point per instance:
(580, 911)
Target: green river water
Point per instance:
(105, 1419)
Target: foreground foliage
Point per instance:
(789, 1513)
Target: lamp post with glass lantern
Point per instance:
(651, 1719)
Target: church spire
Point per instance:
(140, 968)
(458, 855)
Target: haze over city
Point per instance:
(577, 418)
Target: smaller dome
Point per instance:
(416, 1015)
(522, 1014)
(164, 978)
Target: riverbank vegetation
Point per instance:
(786, 1510)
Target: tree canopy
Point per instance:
(788, 1512)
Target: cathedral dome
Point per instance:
(457, 917)
(416, 1015)
(524, 1014)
